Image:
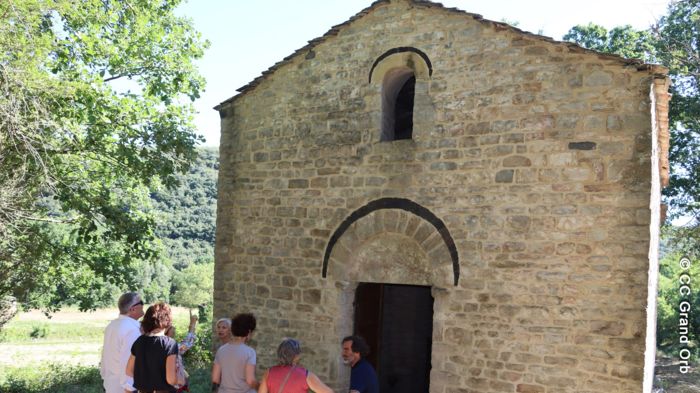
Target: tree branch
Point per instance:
(116, 77)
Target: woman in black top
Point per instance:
(153, 355)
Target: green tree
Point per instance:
(194, 285)
(668, 306)
(622, 40)
(95, 112)
(678, 36)
(154, 280)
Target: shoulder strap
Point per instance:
(285, 380)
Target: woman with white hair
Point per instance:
(234, 364)
(223, 330)
(288, 376)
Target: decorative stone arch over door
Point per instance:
(392, 240)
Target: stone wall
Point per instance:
(536, 157)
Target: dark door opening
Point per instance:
(397, 322)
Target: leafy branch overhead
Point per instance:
(622, 40)
(95, 112)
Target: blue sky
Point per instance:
(249, 36)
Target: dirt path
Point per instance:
(669, 379)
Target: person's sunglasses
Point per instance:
(139, 303)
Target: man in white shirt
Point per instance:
(120, 335)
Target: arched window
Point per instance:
(398, 92)
(402, 75)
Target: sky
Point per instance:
(249, 36)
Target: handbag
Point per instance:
(181, 375)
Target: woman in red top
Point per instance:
(288, 377)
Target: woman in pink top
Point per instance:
(288, 377)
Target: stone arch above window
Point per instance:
(405, 56)
(398, 70)
(392, 240)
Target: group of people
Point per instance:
(144, 356)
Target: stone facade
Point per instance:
(524, 200)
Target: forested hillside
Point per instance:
(186, 223)
(187, 214)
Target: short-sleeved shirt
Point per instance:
(120, 335)
(232, 359)
(363, 378)
(150, 353)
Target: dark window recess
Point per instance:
(403, 112)
(397, 323)
(398, 94)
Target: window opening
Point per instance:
(403, 113)
(398, 95)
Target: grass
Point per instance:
(55, 378)
(69, 324)
(31, 329)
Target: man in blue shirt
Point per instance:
(363, 378)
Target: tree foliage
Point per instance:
(95, 111)
(670, 297)
(187, 213)
(191, 204)
(678, 36)
(186, 217)
(194, 285)
(622, 40)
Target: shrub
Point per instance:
(38, 332)
(200, 380)
(200, 355)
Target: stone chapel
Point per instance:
(480, 203)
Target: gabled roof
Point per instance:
(575, 48)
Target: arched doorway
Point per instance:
(391, 261)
